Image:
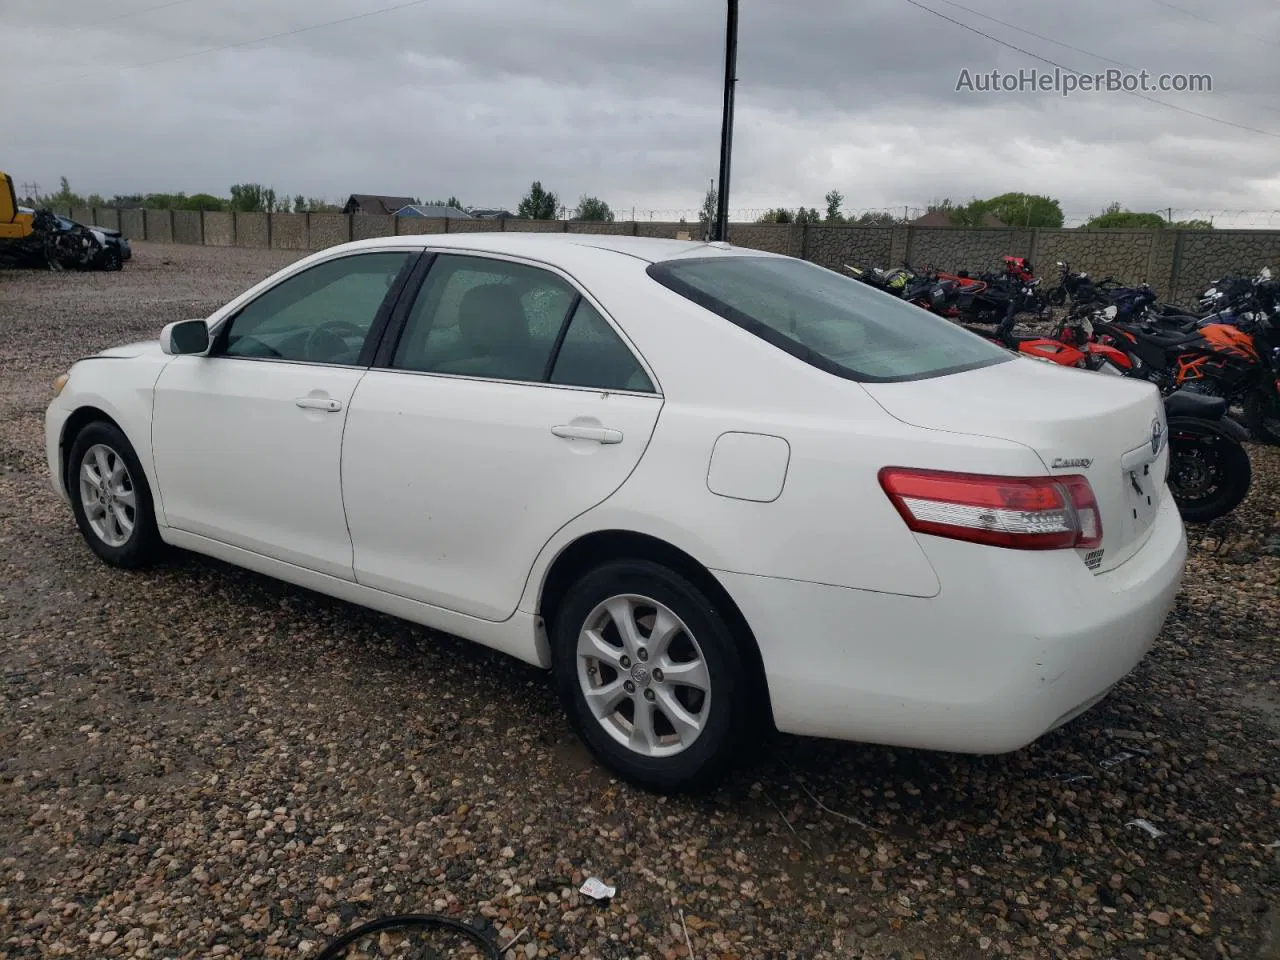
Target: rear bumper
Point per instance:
(1014, 645)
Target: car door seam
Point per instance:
(653, 432)
(342, 480)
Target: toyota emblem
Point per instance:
(1157, 434)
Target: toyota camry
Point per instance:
(712, 490)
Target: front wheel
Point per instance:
(110, 497)
(651, 675)
(1209, 474)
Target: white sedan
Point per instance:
(714, 490)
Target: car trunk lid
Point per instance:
(1110, 430)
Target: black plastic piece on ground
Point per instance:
(410, 921)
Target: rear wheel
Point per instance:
(110, 497)
(1209, 475)
(650, 674)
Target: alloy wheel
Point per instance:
(643, 675)
(108, 495)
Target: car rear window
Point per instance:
(833, 322)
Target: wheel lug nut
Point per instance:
(625, 662)
(642, 653)
(629, 687)
(657, 674)
(648, 694)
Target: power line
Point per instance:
(132, 13)
(1005, 23)
(1087, 53)
(1063, 67)
(1185, 13)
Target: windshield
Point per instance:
(831, 321)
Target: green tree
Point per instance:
(707, 213)
(834, 199)
(451, 202)
(1014, 209)
(1193, 224)
(810, 215)
(538, 204)
(1115, 218)
(875, 218)
(776, 215)
(206, 201)
(299, 203)
(250, 197)
(65, 197)
(593, 208)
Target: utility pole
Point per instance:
(721, 230)
(31, 190)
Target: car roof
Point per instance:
(563, 246)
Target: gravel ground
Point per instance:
(197, 761)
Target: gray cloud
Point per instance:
(622, 99)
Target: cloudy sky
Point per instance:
(621, 99)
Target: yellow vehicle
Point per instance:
(14, 224)
(38, 239)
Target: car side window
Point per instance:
(484, 318)
(593, 355)
(321, 315)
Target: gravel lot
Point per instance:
(197, 761)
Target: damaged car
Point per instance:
(42, 239)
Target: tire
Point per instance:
(665, 762)
(120, 524)
(1201, 458)
(1262, 415)
(111, 259)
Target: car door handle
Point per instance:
(578, 431)
(328, 404)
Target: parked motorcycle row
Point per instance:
(1208, 361)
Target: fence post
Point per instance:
(804, 240)
(173, 227)
(270, 216)
(446, 224)
(1034, 252)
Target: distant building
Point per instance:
(942, 218)
(491, 214)
(368, 203)
(434, 211)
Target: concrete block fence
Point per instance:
(1178, 263)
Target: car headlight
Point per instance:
(59, 382)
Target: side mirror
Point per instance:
(185, 337)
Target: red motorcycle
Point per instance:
(1071, 344)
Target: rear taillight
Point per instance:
(1023, 513)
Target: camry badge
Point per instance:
(1062, 463)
